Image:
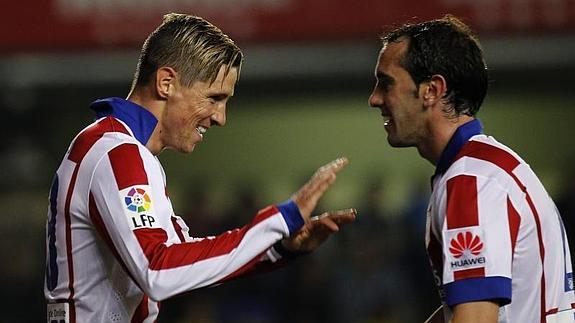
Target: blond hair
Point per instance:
(192, 46)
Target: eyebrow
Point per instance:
(219, 92)
(382, 77)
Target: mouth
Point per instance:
(387, 121)
(201, 130)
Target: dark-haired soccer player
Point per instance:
(494, 237)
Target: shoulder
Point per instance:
(483, 156)
(481, 163)
(107, 137)
(104, 132)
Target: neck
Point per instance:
(148, 102)
(440, 131)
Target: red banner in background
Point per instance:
(50, 25)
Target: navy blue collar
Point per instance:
(141, 121)
(460, 138)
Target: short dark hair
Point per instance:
(447, 47)
(192, 46)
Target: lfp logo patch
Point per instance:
(138, 200)
(139, 211)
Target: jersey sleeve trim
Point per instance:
(479, 289)
(291, 215)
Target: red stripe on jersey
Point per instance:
(462, 202)
(128, 166)
(88, 137)
(178, 229)
(508, 163)
(160, 256)
(469, 273)
(69, 243)
(514, 222)
(152, 242)
(103, 232)
(489, 153)
(141, 312)
(552, 311)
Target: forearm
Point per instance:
(171, 269)
(476, 312)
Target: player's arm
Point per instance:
(163, 269)
(304, 241)
(476, 312)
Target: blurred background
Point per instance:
(301, 102)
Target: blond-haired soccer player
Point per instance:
(115, 248)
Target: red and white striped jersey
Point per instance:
(115, 248)
(494, 233)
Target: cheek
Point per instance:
(184, 119)
(198, 112)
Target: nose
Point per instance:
(219, 115)
(375, 99)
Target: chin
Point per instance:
(187, 149)
(392, 142)
(398, 143)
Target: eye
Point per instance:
(383, 85)
(384, 82)
(217, 98)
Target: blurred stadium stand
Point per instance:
(301, 101)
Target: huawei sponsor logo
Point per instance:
(466, 248)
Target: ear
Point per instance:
(434, 90)
(166, 78)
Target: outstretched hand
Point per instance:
(308, 195)
(317, 230)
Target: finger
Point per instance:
(343, 212)
(321, 229)
(328, 223)
(333, 167)
(308, 196)
(345, 216)
(319, 184)
(321, 216)
(339, 216)
(338, 163)
(336, 214)
(325, 177)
